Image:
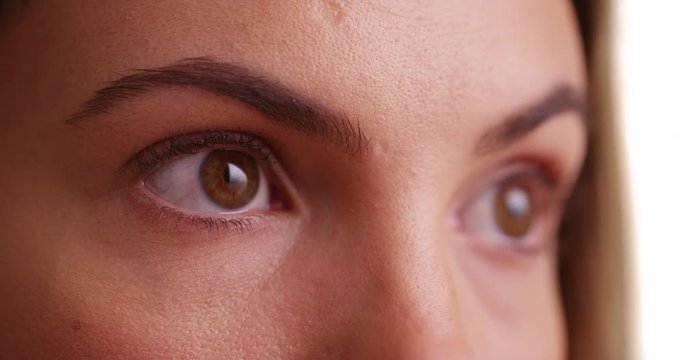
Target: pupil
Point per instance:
(226, 174)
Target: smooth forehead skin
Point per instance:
(368, 270)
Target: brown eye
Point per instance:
(514, 209)
(229, 178)
(518, 211)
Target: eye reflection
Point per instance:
(214, 181)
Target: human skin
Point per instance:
(372, 254)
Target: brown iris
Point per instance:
(514, 210)
(229, 178)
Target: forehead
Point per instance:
(384, 61)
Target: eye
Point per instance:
(514, 209)
(515, 212)
(214, 181)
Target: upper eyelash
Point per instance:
(187, 144)
(547, 175)
(544, 172)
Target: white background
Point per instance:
(649, 55)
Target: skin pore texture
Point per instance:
(367, 256)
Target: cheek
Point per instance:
(516, 307)
(124, 292)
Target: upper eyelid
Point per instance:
(515, 168)
(191, 143)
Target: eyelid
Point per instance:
(166, 150)
(178, 221)
(546, 171)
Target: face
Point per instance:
(310, 179)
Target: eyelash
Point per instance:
(176, 218)
(146, 161)
(187, 144)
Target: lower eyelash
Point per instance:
(177, 221)
(232, 225)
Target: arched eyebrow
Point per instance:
(275, 101)
(287, 108)
(563, 98)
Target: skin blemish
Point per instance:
(378, 149)
(333, 11)
(76, 325)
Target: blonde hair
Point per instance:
(593, 253)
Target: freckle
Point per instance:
(76, 325)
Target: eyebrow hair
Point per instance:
(563, 98)
(272, 99)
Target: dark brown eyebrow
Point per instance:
(561, 99)
(275, 101)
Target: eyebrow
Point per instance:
(287, 108)
(272, 99)
(563, 98)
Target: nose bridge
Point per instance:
(412, 305)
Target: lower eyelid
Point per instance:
(541, 239)
(149, 211)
